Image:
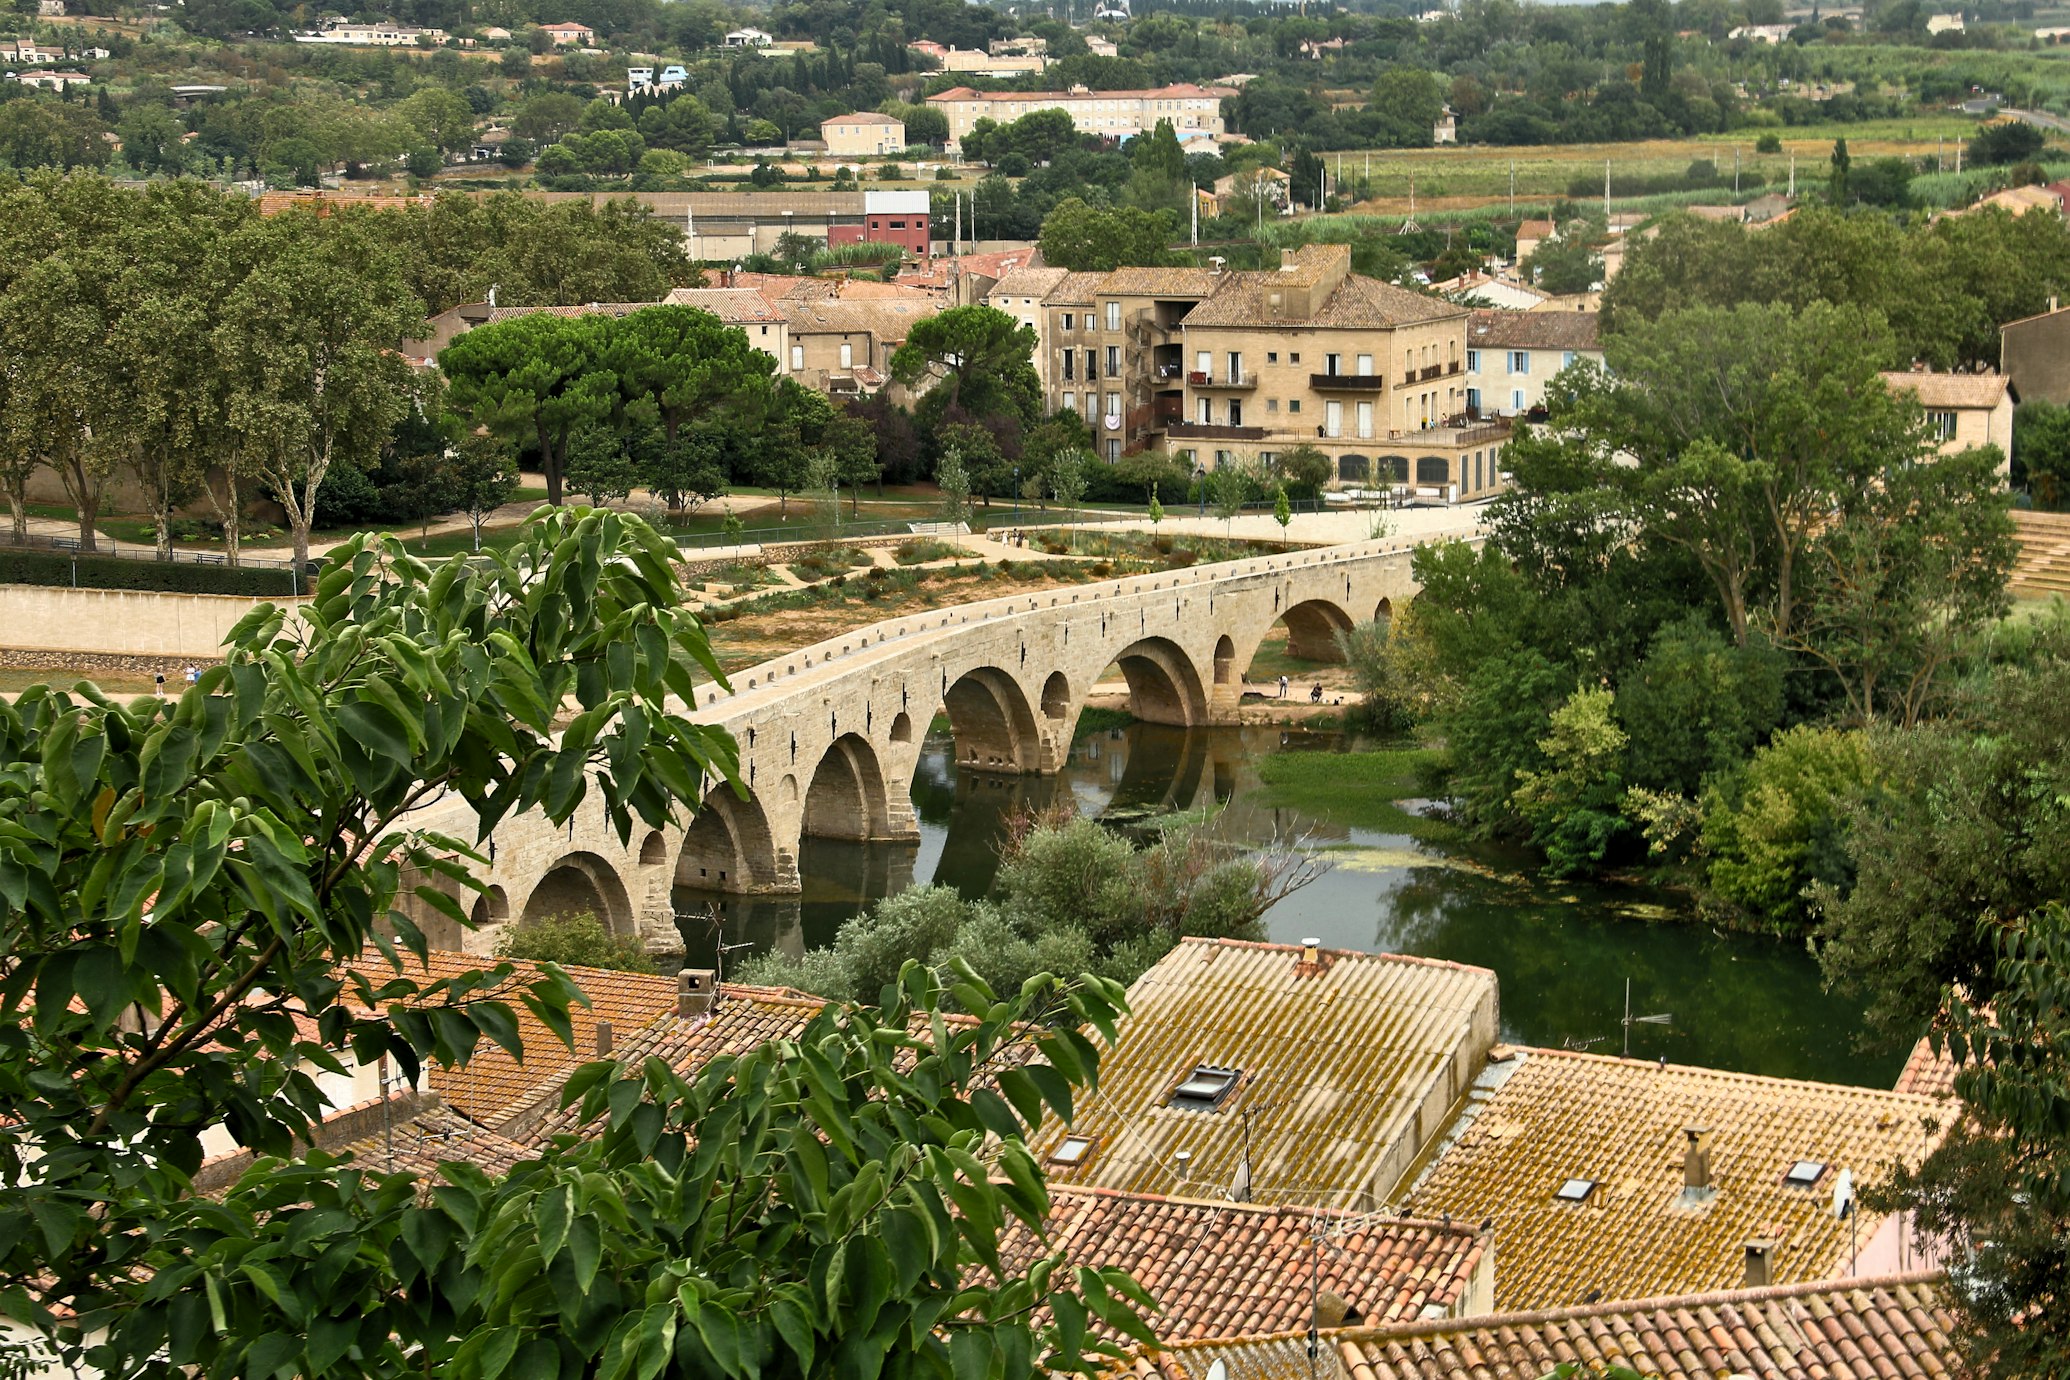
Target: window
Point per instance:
(1235, 366)
(1072, 1151)
(1365, 421)
(1235, 412)
(1070, 322)
(1516, 401)
(1293, 359)
(1942, 424)
(1203, 362)
(1476, 472)
(1520, 361)
(1113, 361)
(1365, 364)
(1070, 402)
(1272, 356)
(1332, 365)
(1566, 359)
(1293, 404)
(1114, 316)
(1113, 450)
(1206, 410)
(1092, 365)
(1575, 1190)
(847, 354)
(1473, 359)
(1804, 1174)
(765, 330)
(797, 356)
(1272, 404)
(898, 225)
(1473, 400)
(1114, 404)
(1070, 367)
(1333, 419)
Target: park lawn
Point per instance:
(1357, 790)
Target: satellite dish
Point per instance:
(1843, 1193)
(1219, 1370)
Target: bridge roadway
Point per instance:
(830, 734)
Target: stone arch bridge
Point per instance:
(830, 734)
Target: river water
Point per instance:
(1563, 953)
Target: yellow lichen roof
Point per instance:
(1349, 1064)
(1857, 1329)
(1159, 282)
(1621, 1123)
(1357, 303)
(1948, 390)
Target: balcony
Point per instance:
(1204, 431)
(1361, 383)
(1239, 381)
(1430, 371)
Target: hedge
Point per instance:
(38, 567)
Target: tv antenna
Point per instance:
(1661, 1018)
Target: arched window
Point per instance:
(1354, 469)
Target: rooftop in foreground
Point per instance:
(1333, 1067)
(1579, 1159)
(1868, 1329)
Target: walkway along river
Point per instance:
(1563, 952)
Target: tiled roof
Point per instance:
(1075, 289)
(1868, 1329)
(1348, 1065)
(1534, 330)
(435, 1135)
(1176, 91)
(1622, 1124)
(1357, 304)
(860, 117)
(1950, 390)
(1037, 283)
(743, 1018)
(493, 1085)
(731, 305)
(1159, 282)
(1222, 1269)
(1536, 230)
(887, 321)
(1928, 1073)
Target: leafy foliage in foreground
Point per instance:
(816, 1206)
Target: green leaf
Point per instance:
(552, 1211)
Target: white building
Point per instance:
(1110, 114)
(747, 38)
(1512, 355)
(383, 35)
(51, 81)
(1944, 24)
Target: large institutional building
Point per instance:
(1112, 114)
(1214, 365)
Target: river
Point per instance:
(1563, 953)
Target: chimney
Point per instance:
(2052, 301)
(1332, 1309)
(1183, 1161)
(1217, 264)
(695, 988)
(1760, 1264)
(1311, 951)
(1698, 1187)
(603, 1039)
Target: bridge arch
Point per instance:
(577, 883)
(845, 799)
(728, 846)
(1056, 696)
(1164, 686)
(990, 718)
(491, 907)
(1383, 612)
(1312, 628)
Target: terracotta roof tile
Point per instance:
(1159, 282)
(493, 1085)
(1534, 330)
(1357, 304)
(1621, 1124)
(1869, 1329)
(1928, 1073)
(434, 1136)
(1220, 1269)
(1949, 390)
(1348, 1066)
(731, 305)
(1028, 282)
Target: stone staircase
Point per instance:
(2043, 566)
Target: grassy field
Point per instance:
(1462, 178)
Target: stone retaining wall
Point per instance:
(74, 625)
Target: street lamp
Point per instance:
(1016, 495)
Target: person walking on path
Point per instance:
(1282, 687)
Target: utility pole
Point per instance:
(1735, 170)
(1606, 194)
(1196, 213)
(1512, 186)
(1793, 174)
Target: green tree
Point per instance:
(1078, 237)
(309, 337)
(1836, 183)
(2041, 452)
(1282, 509)
(484, 476)
(1566, 265)
(687, 472)
(248, 839)
(1306, 469)
(441, 116)
(599, 467)
(1228, 489)
(2010, 141)
(954, 482)
(1776, 829)
(533, 380)
(979, 360)
(1571, 805)
(1697, 704)
(579, 940)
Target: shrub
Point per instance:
(578, 939)
(1768, 143)
(1777, 828)
(35, 567)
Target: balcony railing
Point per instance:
(1371, 383)
(1431, 371)
(1204, 431)
(1236, 380)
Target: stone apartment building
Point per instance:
(1218, 366)
(1964, 410)
(1512, 355)
(1109, 114)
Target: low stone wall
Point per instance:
(73, 627)
(783, 553)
